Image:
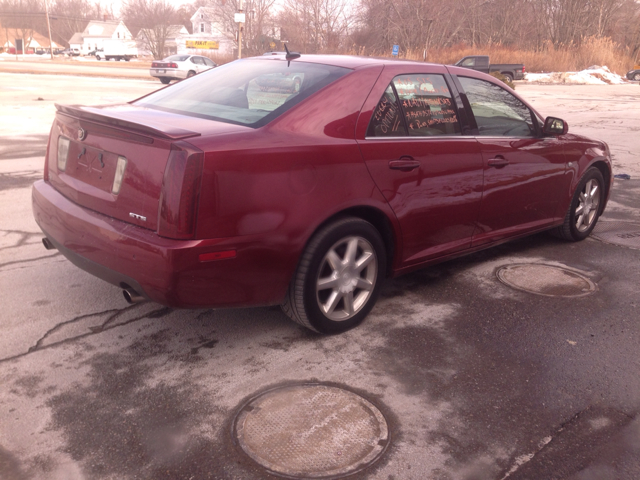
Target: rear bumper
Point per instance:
(166, 271)
(167, 73)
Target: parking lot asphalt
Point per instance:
(476, 379)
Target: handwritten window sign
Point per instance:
(415, 105)
(387, 117)
(427, 105)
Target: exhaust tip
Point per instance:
(48, 244)
(131, 296)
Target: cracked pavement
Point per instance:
(476, 380)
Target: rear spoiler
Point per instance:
(128, 117)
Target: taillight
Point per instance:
(180, 192)
(172, 65)
(63, 153)
(522, 68)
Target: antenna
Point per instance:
(290, 55)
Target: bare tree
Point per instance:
(314, 26)
(150, 21)
(24, 17)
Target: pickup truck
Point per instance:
(514, 71)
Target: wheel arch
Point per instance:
(375, 217)
(602, 166)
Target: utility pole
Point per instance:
(46, 8)
(239, 18)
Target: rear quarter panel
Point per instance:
(280, 183)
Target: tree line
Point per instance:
(369, 27)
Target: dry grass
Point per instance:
(593, 51)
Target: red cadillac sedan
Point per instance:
(232, 189)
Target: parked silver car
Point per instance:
(178, 67)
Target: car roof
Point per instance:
(347, 61)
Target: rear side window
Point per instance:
(415, 105)
(497, 112)
(245, 92)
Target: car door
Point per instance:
(524, 172)
(198, 63)
(410, 136)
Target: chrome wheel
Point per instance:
(338, 277)
(347, 277)
(588, 205)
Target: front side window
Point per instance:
(417, 105)
(497, 112)
(246, 92)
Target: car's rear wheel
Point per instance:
(508, 76)
(338, 278)
(191, 73)
(165, 80)
(636, 77)
(585, 208)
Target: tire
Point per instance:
(509, 77)
(334, 259)
(636, 77)
(190, 74)
(585, 208)
(165, 80)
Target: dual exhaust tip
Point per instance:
(130, 295)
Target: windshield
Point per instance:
(246, 92)
(176, 58)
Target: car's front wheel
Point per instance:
(338, 277)
(585, 207)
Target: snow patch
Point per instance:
(594, 75)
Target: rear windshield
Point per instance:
(245, 92)
(176, 58)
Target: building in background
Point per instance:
(209, 34)
(98, 32)
(16, 40)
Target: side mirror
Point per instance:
(555, 126)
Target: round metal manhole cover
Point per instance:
(546, 280)
(311, 431)
(626, 234)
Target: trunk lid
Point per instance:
(98, 137)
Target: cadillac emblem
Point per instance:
(81, 133)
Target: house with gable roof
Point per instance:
(96, 32)
(210, 34)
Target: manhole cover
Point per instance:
(546, 280)
(626, 234)
(311, 431)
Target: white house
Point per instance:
(210, 34)
(97, 32)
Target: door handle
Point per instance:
(498, 162)
(404, 164)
